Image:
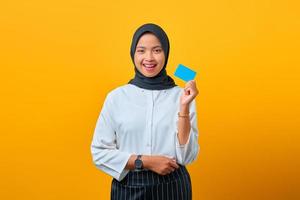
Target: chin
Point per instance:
(150, 75)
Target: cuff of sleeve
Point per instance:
(118, 172)
(121, 171)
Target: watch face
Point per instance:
(138, 164)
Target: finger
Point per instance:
(191, 82)
(187, 92)
(192, 87)
(170, 170)
(174, 165)
(191, 90)
(187, 88)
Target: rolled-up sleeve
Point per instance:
(105, 153)
(188, 152)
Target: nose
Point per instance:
(149, 56)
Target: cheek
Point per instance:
(161, 59)
(137, 60)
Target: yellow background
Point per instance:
(60, 58)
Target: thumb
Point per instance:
(187, 91)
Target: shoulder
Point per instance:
(117, 92)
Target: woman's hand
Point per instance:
(190, 92)
(160, 164)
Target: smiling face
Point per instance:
(149, 57)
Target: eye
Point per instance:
(157, 50)
(140, 50)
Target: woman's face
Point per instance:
(149, 57)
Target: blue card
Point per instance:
(184, 73)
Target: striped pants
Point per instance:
(148, 185)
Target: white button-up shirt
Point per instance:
(134, 120)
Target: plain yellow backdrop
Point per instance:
(59, 59)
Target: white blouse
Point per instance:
(134, 120)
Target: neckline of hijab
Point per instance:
(161, 81)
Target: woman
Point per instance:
(147, 129)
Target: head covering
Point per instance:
(161, 81)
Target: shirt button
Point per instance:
(148, 145)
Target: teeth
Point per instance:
(149, 66)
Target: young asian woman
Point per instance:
(147, 131)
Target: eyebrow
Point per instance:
(145, 47)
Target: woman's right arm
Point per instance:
(104, 150)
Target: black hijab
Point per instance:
(161, 81)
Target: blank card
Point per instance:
(184, 73)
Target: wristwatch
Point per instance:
(138, 163)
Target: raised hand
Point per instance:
(190, 92)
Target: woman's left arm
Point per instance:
(184, 124)
(187, 147)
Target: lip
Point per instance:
(152, 65)
(150, 68)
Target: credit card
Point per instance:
(184, 73)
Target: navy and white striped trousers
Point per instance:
(148, 185)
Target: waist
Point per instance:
(148, 177)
